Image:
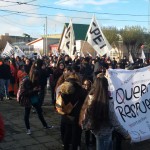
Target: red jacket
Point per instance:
(2, 129)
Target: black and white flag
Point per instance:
(96, 38)
(8, 50)
(69, 43)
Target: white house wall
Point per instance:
(38, 45)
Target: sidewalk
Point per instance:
(40, 139)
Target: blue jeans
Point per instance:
(104, 142)
(6, 84)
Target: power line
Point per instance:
(22, 13)
(17, 24)
(74, 10)
(27, 14)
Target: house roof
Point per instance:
(80, 30)
(32, 42)
(49, 37)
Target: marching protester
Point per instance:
(27, 66)
(21, 74)
(7, 76)
(28, 96)
(19, 61)
(98, 115)
(67, 71)
(40, 66)
(86, 69)
(71, 92)
(56, 74)
(13, 78)
(89, 136)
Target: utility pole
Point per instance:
(149, 16)
(46, 38)
(44, 41)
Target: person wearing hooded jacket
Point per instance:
(72, 91)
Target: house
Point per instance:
(14, 40)
(44, 46)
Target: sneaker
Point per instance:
(28, 131)
(48, 127)
(8, 98)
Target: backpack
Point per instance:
(19, 94)
(21, 97)
(63, 108)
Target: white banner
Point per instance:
(8, 51)
(18, 51)
(69, 43)
(130, 90)
(96, 38)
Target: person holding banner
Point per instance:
(99, 115)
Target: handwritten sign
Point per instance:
(130, 90)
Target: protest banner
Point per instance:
(130, 90)
(96, 38)
(68, 44)
(8, 50)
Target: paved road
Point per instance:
(40, 139)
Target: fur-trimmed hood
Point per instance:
(67, 88)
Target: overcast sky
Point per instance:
(29, 16)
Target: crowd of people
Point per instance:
(81, 81)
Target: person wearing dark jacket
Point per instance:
(27, 65)
(30, 88)
(72, 91)
(86, 69)
(43, 82)
(7, 76)
(56, 74)
(43, 75)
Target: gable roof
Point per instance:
(80, 30)
(34, 41)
